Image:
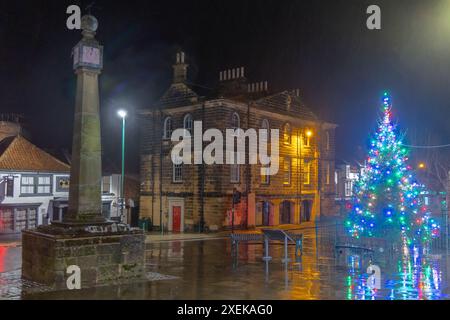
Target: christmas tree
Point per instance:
(387, 201)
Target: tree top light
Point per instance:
(122, 113)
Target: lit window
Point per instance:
(167, 134)
(327, 174)
(235, 121)
(307, 138)
(36, 185)
(27, 185)
(307, 172)
(348, 189)
(327, 140)
(287, 133)
(287, 171)
(44, 185)
(177, 172)
(188, 123)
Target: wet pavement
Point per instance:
(206, 269)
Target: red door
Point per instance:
(176, 219)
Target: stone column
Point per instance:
(86, 174)
(276, 211)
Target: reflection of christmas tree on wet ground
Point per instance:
(411, 275)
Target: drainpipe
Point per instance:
(202, 184)
(298, 175)
(161, 225)
(248, 171)
(153, 169)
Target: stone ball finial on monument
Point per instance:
(89, 25)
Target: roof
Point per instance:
(17, 153)
(286, 103)
(179, 94)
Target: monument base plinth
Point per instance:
(104, 258)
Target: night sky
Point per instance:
(321, 47)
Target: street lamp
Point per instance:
(122, 114)
(422, 165)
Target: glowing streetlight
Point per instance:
(122, 114)
(422, 166)
(309, 133)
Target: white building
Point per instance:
(345, 179)
(34, 187)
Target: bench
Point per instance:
(269, 235)
(286, 237)
(238, 237)
(355, 248)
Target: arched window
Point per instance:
(235, 121)
(167, 133)
(287, 133)
(265, 126)
(188, 122)
(327, 140)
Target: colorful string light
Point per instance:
(387, 201)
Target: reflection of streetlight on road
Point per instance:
(123, 115)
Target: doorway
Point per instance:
(286, 209)
(267, 213)
(176, 219)
(306, 210)
(176, 215)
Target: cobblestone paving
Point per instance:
(12, 285)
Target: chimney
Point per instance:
(258, 87)
(180, 68)
(232, 82)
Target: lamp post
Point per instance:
(122, 114)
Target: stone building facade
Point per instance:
(199, 197)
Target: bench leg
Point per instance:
(266, 250)
(234, 247)
(286, 258)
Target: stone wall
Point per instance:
(103, 259)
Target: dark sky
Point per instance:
(322, 47)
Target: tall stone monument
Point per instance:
(85, 173)
(105, 252)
